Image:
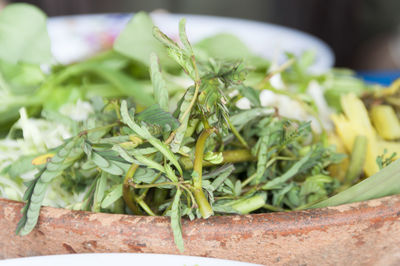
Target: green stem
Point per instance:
(236, 133)
(126, 192)
(196, 91)
(145, 207)
(201, 200)
(231, 156)
(153, 185)
(117, 109)
(250, 178)
(144, 193)
(191, 196)
(250, 204)
(280, 69)
(274, 208)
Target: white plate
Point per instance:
(74, 37)
(108, 259)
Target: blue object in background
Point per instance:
(382, 77)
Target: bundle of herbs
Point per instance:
(150, 147)
(207, 157)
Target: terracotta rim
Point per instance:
(367, 230)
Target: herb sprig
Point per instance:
(206, 157)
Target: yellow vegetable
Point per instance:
(338, 170)
(385, 121)
(355, 122)
(389, 91)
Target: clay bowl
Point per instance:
(365, 233)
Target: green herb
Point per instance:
(157, 149)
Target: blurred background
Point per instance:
(364, 34)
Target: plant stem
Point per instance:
(274, 208)
(280, 69)
(248, 205)
(196, 90)
(145, 207)
(126, 192)
(236, 133)
(154, 185)
(144, 193)
(201, 200)
(231, 156)
(250, 178)
(117, 109)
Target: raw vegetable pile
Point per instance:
(121, 133)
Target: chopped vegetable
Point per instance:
(159, 127)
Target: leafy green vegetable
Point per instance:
(228, 47)
(23, 35)
(129, 154)
(138, 42)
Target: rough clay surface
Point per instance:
(366, 233)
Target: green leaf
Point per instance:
(105, 164)
(251, 94)
(149, 162)
(239, 120)
(34, 195)
(262, 158)
(176, 221)
(181, 131)
(227, 46)
(182, 56)
(315, 184)
(22, 78)
(157, 116)
(238, 188)
(37, 189)
(112, 196)
(164, 39)
(114, 169)
(145, 134)
(384, 183)
(183, 36)
(20, 166)
(99, 192)
(125, 84)
(99, 160)
(159, 86)
(222, 177)
(144, 175)
(280, 194)
(137, 42)
(170, 173)
(278, 181)
(123, 153)
(23, 35)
